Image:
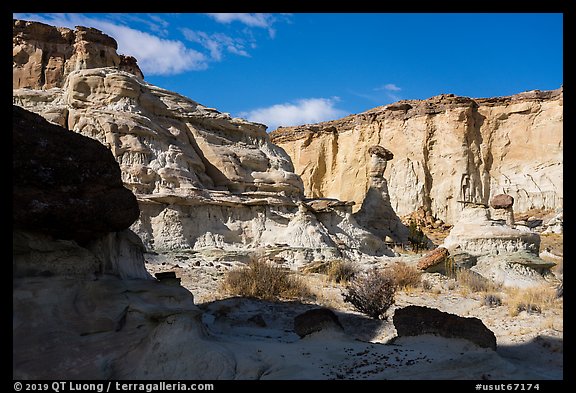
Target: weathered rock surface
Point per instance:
(202, 179)
(376, 213)
(507, 255)
(434, 261)
(555, 224)
(446, 148)
(65, 184)
(520, 269)
(502, 201)
(418, 320)
(45, 55)
(109, 328)
(477, 234)
(316, 320)
(92, 311)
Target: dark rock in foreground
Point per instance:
(316, 320)
(417, 320)
(65, 184)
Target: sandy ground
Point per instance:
(261, 333)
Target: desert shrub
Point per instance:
(371, 293)
(427, 285)
(416, 237)
(319, 267)
(560, 290)
(474, 281)
(531, 300)
(404, 276)
(337, 270)
(341, 271)
(262, 280)
(492, 300)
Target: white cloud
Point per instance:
(216, 43)
(156, 56)
(302, 111)
(389, 87)
(253, 20)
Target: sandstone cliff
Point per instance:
(446, 148)
(202, 178)
(43, 55)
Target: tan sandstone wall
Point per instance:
(510, 145)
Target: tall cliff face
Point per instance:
(447, 149)
(202, 178)
(43, 55)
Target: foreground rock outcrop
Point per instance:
(88, 309)
(203, 179)
(65, 184)
(446, 149)
(417, 320)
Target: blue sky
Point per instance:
(289, 69)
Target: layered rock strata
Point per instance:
(447, 149)
(202, 178)
(504, 254)
(43, 55)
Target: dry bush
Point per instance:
(492, 300)
(337, 270)
(341, 271)
(427, 285)
(474, 282)
(318, 267)
(531, 300)
(404, 276)
(262, 280)
(371, 293)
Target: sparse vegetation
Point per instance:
(262, 280)
(404, 276)
(427, 285)
(492, 300)
(341, 271)
(531, 300)
(416, 237)
(337, 270)
(474, 282)
(371, 293)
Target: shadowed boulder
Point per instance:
(417, 320)
(316, 320)
(65, 184)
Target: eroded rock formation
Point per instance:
(376, 213)
(202, 178)
(43, 55)
(446, 149)
(64, 175)
(91, 310)
(505, 254)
